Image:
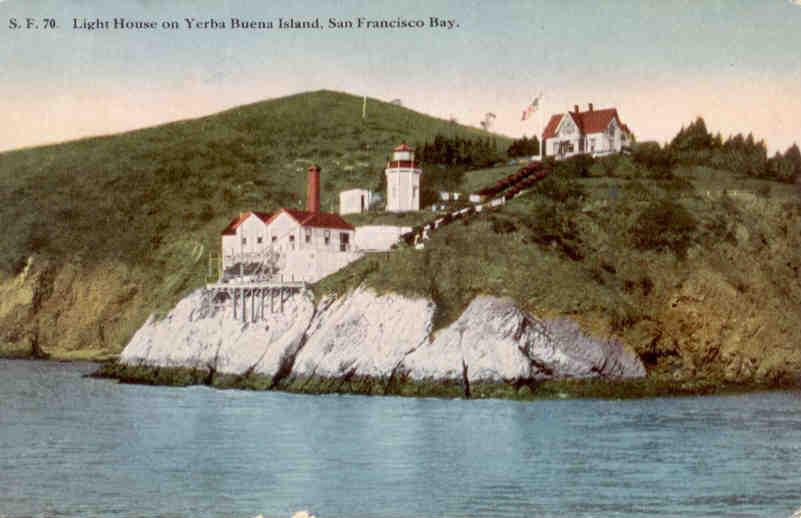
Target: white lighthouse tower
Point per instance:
(403, 181)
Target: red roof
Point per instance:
(234, 224)
(550, 128)
(304, 218)
(403, 147)
(591, 121)
(315, 219)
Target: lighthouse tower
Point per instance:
(403, 181)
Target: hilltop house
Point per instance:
(293, 245)
(596, 132)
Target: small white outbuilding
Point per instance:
(355, 201)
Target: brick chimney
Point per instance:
(313, 189)
(575, 108)
(590, 105)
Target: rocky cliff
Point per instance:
(366, 342)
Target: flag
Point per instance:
(531, 108)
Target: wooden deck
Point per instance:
(250, 299)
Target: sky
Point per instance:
(661, 63)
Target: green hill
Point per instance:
(698, 270)
(98, 233)
(694, 263)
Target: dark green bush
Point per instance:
(552, 224)
(664, 225)
(577, 166)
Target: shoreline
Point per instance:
(12, 352)
(648, 387)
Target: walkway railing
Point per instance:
(487, 198)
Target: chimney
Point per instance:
(313, 189)
(590, 106)
(575, 108)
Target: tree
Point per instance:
(524, 147)
(793, 157)
(694, 137)
(652, 156)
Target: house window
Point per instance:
(592, 144)
(259, 240)
(292, 242)
(275, 238)
(308, 235)
(344, 240)
(244, 240)
(327, 236)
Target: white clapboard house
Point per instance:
(594, 132)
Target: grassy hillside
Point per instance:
(478, 179)
(99, 233)
(699, 271)
(695, 267)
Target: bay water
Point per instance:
(77, 447)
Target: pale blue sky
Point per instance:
(661, 63)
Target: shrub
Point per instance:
(605, 166)
(577, 166)
(551, 224)
(637, 191)
(658, 161)
(664, 225)
(560, 189)
(502, 224)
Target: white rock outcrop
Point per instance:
(494, 341)
(198, 334)
(365, 334)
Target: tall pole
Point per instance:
(364, 108)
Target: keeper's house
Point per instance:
(595, 132)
